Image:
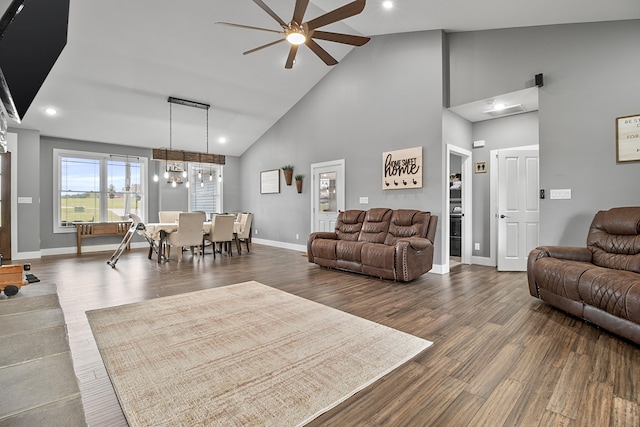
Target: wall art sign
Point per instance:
(402, 169)
(270, 181)
(628, 138)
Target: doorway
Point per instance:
(516, 210)
(5, 205)
(458, 218)
(327, 195)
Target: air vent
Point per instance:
(512, 109)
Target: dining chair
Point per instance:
(221, 233)
(168, 216)
(244, 233)
(189, 233)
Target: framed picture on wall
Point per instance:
(628, 138)
(270, 181)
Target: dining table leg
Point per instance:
(161, 246)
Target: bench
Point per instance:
(95, 229)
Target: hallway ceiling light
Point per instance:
(387, 4)
(505, 110)
(50, 111)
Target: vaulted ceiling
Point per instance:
(124, 59)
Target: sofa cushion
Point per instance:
(560, 277)
(378, 260)
(407, 223)
(324, 248)
(378, 255)
(616, 292)
(376, 225)
(349, 251)
(349, 224)
(614, 239)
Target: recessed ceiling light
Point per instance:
(387, 4)
(51, 111)
(222, 140)
(499, 106)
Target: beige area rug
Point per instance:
(244, 354)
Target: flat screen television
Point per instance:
(32, 36)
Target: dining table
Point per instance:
(157, 232)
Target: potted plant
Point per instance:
(288, 173)
(299, 183)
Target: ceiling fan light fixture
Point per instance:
(296, 37)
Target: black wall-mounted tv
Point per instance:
(32, 36)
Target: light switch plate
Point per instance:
(25, 200)
(364, 200)
(560, 194)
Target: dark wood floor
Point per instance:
(500, 357)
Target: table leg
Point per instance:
(161, 245)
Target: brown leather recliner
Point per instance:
(599, 283)
(381, 242)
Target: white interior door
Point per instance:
(518, 208)
(327, 197)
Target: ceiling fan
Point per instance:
(297, 32)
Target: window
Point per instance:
(204, 188)
(96, 187)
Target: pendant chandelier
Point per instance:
(171, 155)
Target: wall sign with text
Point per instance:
(402, 169)
(628, 138)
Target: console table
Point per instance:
(94, 229)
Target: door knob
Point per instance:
(503, 216)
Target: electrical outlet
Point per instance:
(297, 237)
(476, 247)
(256, 232)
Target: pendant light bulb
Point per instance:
(210, 177)
(219, 178)
(201, 184)
(184, 174)
(187, 184)
(166, 174)
(155, 177)
(199, 174)
(173, 184)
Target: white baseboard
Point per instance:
(283, 245)
(26, 255)
(90, 248)
(488, 262)
(437, 269)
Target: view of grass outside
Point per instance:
(86, 207)
(98, 188)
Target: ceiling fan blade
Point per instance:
(271, 13)
(300, 9)
(323, 54)
(249, 27)
(263, 46)
(344, 12)
(292, 56)
(340, 38)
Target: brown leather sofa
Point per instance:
(599, 283)
(380, 242)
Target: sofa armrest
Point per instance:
(570, 253)
(414, 257)
(318, 235)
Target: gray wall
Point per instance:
(591, 77)
(28, 219)
(389, 95)
(231, 185)
(383, 96)
(507, 132)
(49, 240)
